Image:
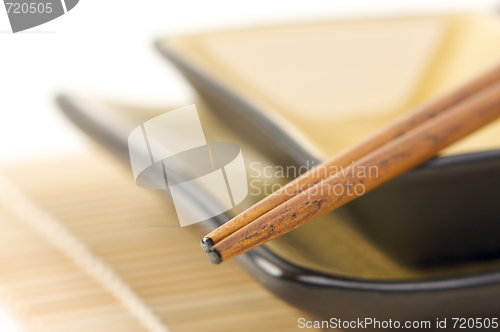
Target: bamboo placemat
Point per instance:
(83, 248)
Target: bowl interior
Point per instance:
(330, 84)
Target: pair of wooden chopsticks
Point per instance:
(405, 143)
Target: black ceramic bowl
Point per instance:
(343, 292)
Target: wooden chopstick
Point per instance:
(345, 158)
(392, 159)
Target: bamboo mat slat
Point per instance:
(134, 232)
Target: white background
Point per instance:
(105, 48)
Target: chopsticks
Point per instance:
(402, 145)
(395, 129)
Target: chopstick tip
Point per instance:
(207, 243)
(214, 256)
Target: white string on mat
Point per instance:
(27, 211)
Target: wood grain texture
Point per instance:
(392, 159)
(136, 232)
(386, 134)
